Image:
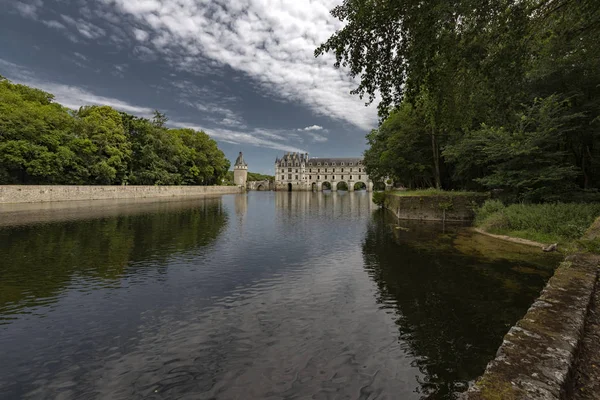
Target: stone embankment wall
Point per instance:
(435, 208)
(46, 193)
(537, 358)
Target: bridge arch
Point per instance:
(360, 185)
(342, 185)
(326, 185)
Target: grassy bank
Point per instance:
(430, 192)
(562, 223)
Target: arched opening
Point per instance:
(289, 187)
(360, 186)
(314, 186)
(260, 187)
(378, 186)
(342, 186)
(326, 186)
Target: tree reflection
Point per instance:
(39, 261)
(452, 309)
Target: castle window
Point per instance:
(342, 169)
(325, 177)
(289, 170)
(296, 177)
(319, 177)
(310, 177)
(350, 164)
(318, 169)
(360, 177)
(282, 177)
(334, 170)
(325, 168)
(359, 170)
(342, 164)
(296, 169)
(333, 177)
(319, 164)
(310, 170)
(333, 164)
(325, 164)
(310, 164)
(290, 177)
(350, 168)
(350, 177)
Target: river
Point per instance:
(259, 296)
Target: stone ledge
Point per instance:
(46, 193)
(435, 207)
(535, 360)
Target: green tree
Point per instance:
(108, 150)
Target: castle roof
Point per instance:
(239, 162)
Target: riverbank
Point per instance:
(553, 351)
(562, 223)
(11, 194)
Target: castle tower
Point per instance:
(240, 171)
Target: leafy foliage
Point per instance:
(42, 142)
(503, 94)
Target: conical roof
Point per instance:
(239, 162)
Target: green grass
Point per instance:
(562, 223)
(432, 192)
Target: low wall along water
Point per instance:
(435, 207)
(47, 193)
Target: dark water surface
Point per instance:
(259, 296)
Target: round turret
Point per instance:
(240, 171)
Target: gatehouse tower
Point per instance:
(240, 171)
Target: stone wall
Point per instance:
(46, 193)
(435, 208)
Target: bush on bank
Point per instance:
(563, 223)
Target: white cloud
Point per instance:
(29, 9)
(312, 128)
(140, 35)
(54, 24)
(270, 41)
(256, 137)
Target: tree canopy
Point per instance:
(42, 142)
(494, 94)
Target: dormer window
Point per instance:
(319, 164)
(310, 164)
(325, 164)
(342, 164)
(333, 164)
(351, 164)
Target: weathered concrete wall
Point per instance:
(435, 208)
(537, 357)
(45, 193)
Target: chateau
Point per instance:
(298, 172)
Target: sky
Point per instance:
(243, 71)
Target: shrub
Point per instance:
(379, 198)
(488, 208)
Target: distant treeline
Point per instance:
(42, 142)
(252, 177)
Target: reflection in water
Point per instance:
(252, 296)
(44, 259)
(452, 306)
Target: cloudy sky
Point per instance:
(241, 70)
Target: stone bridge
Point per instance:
(260, 185)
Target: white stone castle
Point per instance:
(298, 172)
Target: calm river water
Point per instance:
(259, 296)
